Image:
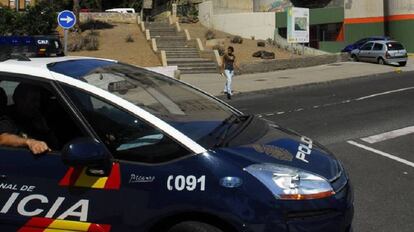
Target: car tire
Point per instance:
(402, 64)
(193, 226)
(354, 58)
(381, 61)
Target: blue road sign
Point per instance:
(66, 19)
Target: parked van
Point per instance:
(121, 10)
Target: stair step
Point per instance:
(212, 65)
(182, 56)
(164, 34)
(197, 71)
(185, 60)
(182, 53)
(183, 50)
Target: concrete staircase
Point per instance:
(179, 51)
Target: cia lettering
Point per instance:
(189, 183)
(29, 206)
(15, 187)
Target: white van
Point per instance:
(121, 10)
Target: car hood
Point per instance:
(285, 147)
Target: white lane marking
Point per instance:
(350, 100)
(381, 153)
(279, 113)
(389, 135)
(384, 93)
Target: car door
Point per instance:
(377, 52)
(40, 192)
(365, 52)
(145, 154)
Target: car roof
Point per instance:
(383, 41)
(37, 66)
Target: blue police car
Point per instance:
(40, 46)
(133, 150)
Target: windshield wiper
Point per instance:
(231, 121)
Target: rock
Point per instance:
(215, 42)
(237, 40)
(257, 54)
(264, 55)
(261, 44)
(210, 35)
(268, 55)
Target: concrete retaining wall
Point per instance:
(274, 65)
(261, 25)
(228, 6)
(110, 17)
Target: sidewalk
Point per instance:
(214, 83)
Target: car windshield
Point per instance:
(188, 110)
(393, 46)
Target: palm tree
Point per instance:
(76, 10)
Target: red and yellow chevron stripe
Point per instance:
(77, 177)
(38, 224)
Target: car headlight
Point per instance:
(289, 183)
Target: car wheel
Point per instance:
(402, 64)
(381, 61)
(193, 226)
(354, 58)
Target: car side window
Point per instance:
(33, 110)
(378, 47)
(128, 137)
(367, 47)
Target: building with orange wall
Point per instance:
(336, 23)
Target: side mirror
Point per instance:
(87, 152)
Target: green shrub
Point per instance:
(129, 39)
(39, 19)
(91, 43)
(210, 35)
(92, 24)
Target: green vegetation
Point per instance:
(36, 20)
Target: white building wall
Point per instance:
(364, 8)
(399, 7)
(260, 25)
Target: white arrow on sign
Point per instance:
(67, 19)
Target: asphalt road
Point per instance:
(369, 124)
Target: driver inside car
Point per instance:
(11, 136)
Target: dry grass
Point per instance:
(243, 51)
(112, 45)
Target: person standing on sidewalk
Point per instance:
(227, 69)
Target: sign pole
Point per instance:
(66, 19)
(65, 41)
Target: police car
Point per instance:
(138, 151)
(41, 46)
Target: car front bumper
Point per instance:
(329, 215)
